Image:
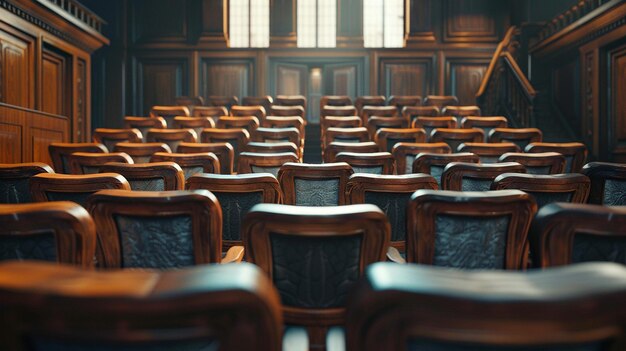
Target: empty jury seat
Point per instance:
(252, 162)
(153, 229)
(189, 100)
(314, 184)
(363, 101)
(346, 135)
(226, 101)
(380, 111)
(575, 153)
(265, 101)
(564, 233)
(488, 152)
(60, 151)
(272, 148)
(412, 112)
(314, 257)
(236, 137)
(249, 123)
(460, 111)
(342, 111)
(476, 230)
(387, 138)
(435, 163)
(608, 183)
(375, 123)
(519, 136)
(141, 152)
(335, 100)
(391, 193)
(404, 154)
(53, 307)
(430, 123)
(256, 111)
(110, 137)
(464, 176)
(400, 101)
(58, 231)
(89, 162)
(373, 163)
(290, 100)
(73, 187)
(15, 178)
(456, 136)
(331, 151)
(276, 135)
(169, 112)
(191, 163)
(195, 123)
(441, 101)
(485, 123)
(571, 187)
(159, 176)
(286, 122)
(144, 123)
(277, 110)
(237, 193)
(224, 152)
(341, 122)
(416, 307)
(539, 163)
(172, 137)
(212, 112)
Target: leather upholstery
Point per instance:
(614, 193)
(394, 206)
(14, 191)
(40, 246)
(317, 192)
(154, 184)
(473, 184)
(598, 248)
(234, 208)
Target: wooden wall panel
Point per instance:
(160, 81)
(159, 20)
(463, 77)
(41, 139)
(565, 91)
(473, 20)
(342, 80)
(54, 80)
(616, 121)
(10, 143)
(227, 77)
(404, 76)
(17, 69)
(291, 79)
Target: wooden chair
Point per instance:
(237, 194)
(608, 183)
(225, 101)
(465, 176)
(290, 100)
(169, 112)
(391, 193)
(459, 112)
(431, 123)
(456, 136)
(412, 112)
(435, 163)
(191, 163)
(363, 101)
(110, 137)
(440, 101)
(469, 230)
(198, 124)
(375, 123)
(487, 124)
(161, 176)
(378, 111)
(338, 111)
(335, 147)
(571, 187)
(346, 135)
(189, 101)
(249, 123)
(404, 154)
(286, 122)
(341, 122)
(212, 112)
(539, 163)
(387, 138)
(224, 152)
(314, 184)
(566, 233)
(58, 231)
(520, 136)
(89, 163)
(153, 229)
(400, 101)
(144, 123)
(141, 152)
(417, 307)
(172, 137)
(575, 153)
(335, 100)
(280, 135)
(73, 187)
(236, 137)
(299, 246)
(252, 162)
(15, 178)
(372, 163)
(53, 307)
(488, 152)
(265, 101)
(287, 111)
(271, 148)
(257, 111)
(60, 151)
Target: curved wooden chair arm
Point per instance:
(234, 255)
(394, 255)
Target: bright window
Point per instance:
(383, 23)
(317, 23)
(249, 23)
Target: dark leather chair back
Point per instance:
(15, 178)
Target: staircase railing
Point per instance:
(505, 90)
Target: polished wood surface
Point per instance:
(405, 153)
(170, 173)
(43, 185)
(290, 172)
(88, 162)
(454, 173)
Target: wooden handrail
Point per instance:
(521, 77)
(494, 60)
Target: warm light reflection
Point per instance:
(383, 23)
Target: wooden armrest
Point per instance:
(295, 339)
(394, 255)
(234, 255)
(336, 339)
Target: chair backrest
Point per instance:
(335, 147)
(189, 100)
(391, 193)
(212, 112)
(159, 176)
(73, 187)
(236, 137)
(375, 123)
(575, 153)
(224, 152)
(608, 183)
(430, 123)
(342, 111)
(456, 136)
(195, 123)
(237, 193)
(298, 246)
(412, 112)
(372, 163)
(141, 152)
(485, 123)
(265, 101)
(362, 101)
(346, 135)
(441, 101)
(460, 111)
(434, 163)
(249, 123)
(340, 122)
(520, 136)
(191, 163)
(15, 178)
(404, 154)
(290, 100)
(570, 187)
(380, 111)
(59, 231)
(253, 162)
(400, 101)
(274, 135)
(110, 137)
(488, 152)
(387, 138)
(225, 101)
(465, 176)
(60, 151)
(538, 163)
(335, 100)
(564, 233)
(169, 112)
(172, 137)
(89, 162)
(257, 111)
(230, 307)
(286, 122)
(466, 229)
(314, 184)
(278, 110)
(271, 148)
(416, 307)
(144, 123)
(154, 229)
